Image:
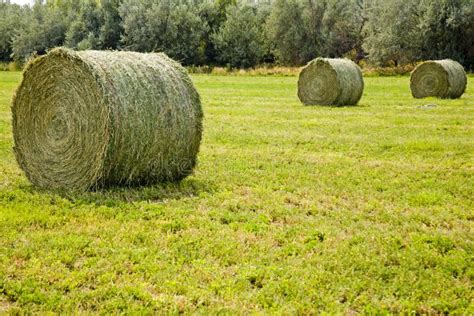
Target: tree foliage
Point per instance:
(10, 21)
(286, 32)
(245, 33)
(84, 31)
(404, 31)
(302, 30)
(164, 25)
(239, 42)
(41, 28)
(447, 29)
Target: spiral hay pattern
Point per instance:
(91, 119)
(326, 81)
(444, 79)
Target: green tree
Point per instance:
(467, 44)
(286, 33)
(446, 26)
(239, 42)
(168, 26)
(137, 34)
(12, 18)
(302, 30)
(343, 24)
(188, 32)
(84, 31)
(111, 28)
(403, 31)
(210, 14)
(245, 33)
(392, 34)
(43, 27)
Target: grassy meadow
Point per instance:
(292, 209)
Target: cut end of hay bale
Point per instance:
(92, 119)
(326, 81)
(438, 78)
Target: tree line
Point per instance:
(245, 34)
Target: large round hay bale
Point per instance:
(90, 119)
(438, 78)
(327, 81)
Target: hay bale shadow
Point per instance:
(158, 193)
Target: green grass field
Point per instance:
(292, 209)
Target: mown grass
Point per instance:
(292, 209)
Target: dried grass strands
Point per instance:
(91, 119)
(326, 81)
(444, 79)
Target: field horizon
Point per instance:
(292, 209)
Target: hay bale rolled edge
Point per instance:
(327, 81)
(444, 79)
(93, 119)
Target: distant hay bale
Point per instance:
(326, 81)
(91, 119)
(444, 79)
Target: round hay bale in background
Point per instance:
(444, 79)
(326, 81)
(89, 119)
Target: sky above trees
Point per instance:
(21, 2)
